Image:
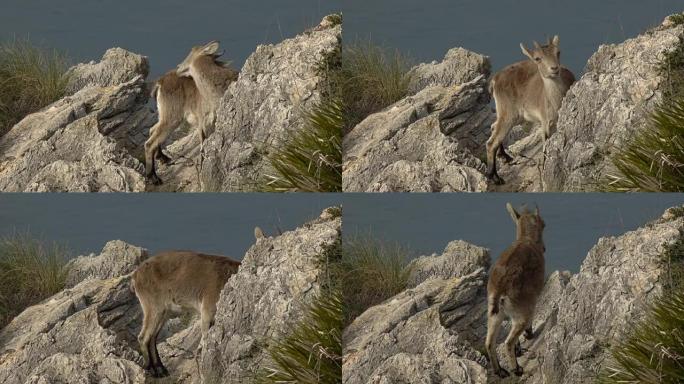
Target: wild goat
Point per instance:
(174, 279)
(528, 91)
(515, 283)
(191, 94)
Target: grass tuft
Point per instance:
(677, 19)
(310, 160)
(653, 351)
(653, 161)
(369, 79)
(674, 259)
(30, 79)
(369, 272)
(312, 352)
(30, 271)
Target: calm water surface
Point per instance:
(215, 223)
(425, 223)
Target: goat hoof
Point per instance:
(529, 335)
(162, 158)
(154, 179)
(519, 350)
(506, 157)
(163, 372)
(159, 371)
(502, 373)
(518, 371)
(496, 179)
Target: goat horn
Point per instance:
(536, 45)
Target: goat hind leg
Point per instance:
(517, 329)
(143, 338)
(499, 131)
(159, 367)
(493, 326)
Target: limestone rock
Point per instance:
(610, 103)
(116, 66)
(83, 334)
(277, 276)
(424, 334)
(276, 84)
(117, 258)
(421, 143)
(83, 142)
(458, 66)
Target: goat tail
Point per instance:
(494, 301)
(131, 284)
(155, 90)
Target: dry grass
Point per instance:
(30, 271)
(30, 79)
(369, 272)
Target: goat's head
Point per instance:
(546, 57)
(209, 50)
(529, 225)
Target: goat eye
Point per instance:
(537, 59)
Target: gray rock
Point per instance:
(584, 313)
(83, 142)
(435, 331)
(424, 334)
(117, 66)
(607, 106)
(459, 258)
(278, 276)
(84, 334)
(276, 84)
(116, 259)
(421, 143)
(458, 66)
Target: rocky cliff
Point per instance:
(88, 332)
(434, 332)
(92, 140)
(434, 139)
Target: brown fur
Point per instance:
(175, 279)
(528, 91)
(515, 283)
(191, 94)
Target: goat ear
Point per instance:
(210, 48)
(526, 51)
(555, 41)
(514, 214)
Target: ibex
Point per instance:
(515, 283)
(528, 91)
(191, 94)
(174, 279)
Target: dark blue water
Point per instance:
(425, 223)
(162, 30)
(427, 29)
(214, 223)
